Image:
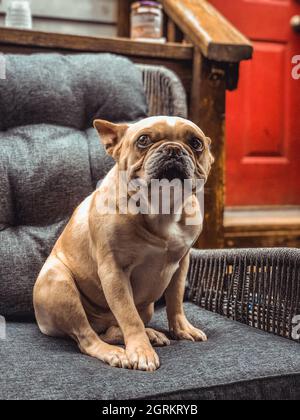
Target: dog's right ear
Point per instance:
(110, 134)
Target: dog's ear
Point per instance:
(212, 159)
(110, 134)
(208, 141)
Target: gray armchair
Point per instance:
(50, 160)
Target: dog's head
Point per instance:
(158, 148)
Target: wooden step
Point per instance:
(262, 227)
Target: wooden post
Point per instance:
(219, 48)
(173, 32)
(208, 111)
(124, 18)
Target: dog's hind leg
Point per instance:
(59, 312)
(114, 335)
(157, 338)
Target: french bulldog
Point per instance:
(107, 269)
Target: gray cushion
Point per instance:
(51, 158)
(46, 171)
(237, 362)
(70, 90)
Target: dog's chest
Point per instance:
(156, 270)
(179, 239)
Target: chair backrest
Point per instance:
(164, 91)
(51, 157)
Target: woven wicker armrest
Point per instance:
(258, 287)
(164, 91)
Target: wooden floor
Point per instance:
(262, 227)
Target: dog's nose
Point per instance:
(172, 150)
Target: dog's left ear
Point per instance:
(208, 141)
(110, 134)
(212, 159)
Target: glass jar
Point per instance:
(147, 21)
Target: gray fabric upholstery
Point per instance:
(51, 158)
(238, 362)
(46, 171)
(70, 90)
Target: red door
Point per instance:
(263, 125)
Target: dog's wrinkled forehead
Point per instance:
(169, 128)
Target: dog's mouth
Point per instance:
(173, 170)
(180, 168)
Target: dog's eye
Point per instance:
(144, 142)
(197, 144)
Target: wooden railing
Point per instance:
(207, 29)
(203, 49)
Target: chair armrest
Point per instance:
(258, 287)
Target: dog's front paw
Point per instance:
(181, 329)
(116, 357)
(142, 357)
